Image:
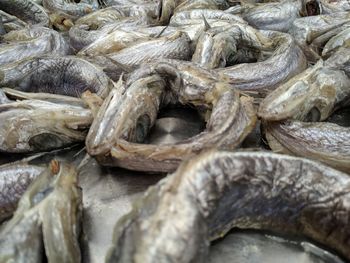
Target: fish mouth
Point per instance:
(312, 8)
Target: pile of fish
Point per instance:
(266, 78)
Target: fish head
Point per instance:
(285, 102)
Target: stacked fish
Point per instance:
(100, 71)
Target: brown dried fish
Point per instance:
(217, 191)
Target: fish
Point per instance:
(313, 95)
(31, 42)
(120, 127)
(276, 16)
(284, 61)
(338, 41)
(10, 22)
(218, 46)
(208, 195)
(14, 180)
(334, 6)
(306, 29)
(193, 5)
(74, 9)
(174, 46)
(26, 10)
(190, 17)
(48, 219)
(64, 75)
(321, 141)
(115, 41)
(34, 125)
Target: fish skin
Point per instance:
(218, 46)
(26, 10)
(31, 42)
(175, 46)
(277, 16)
(324, 87)
(336, 42)
(334, 6)
(191, 17)
(217, 191)
(229, 117)
(71, 8)
(38, 125)
(286, 61)
(14, 180)
(11, 22)
(304, 30)
(321, 141)
(48, 214)
(65, 75)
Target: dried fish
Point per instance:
(217, 191)
(74, 9)
(321, 141)
(285, 61)
(31, 42)
(175, 46)
(129, 112)
(26, 10)
(277, 16)
(68, 75)
(14, 180)
(39, 125)
(312, 95)
(47, 219)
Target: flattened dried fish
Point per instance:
(321, 141)
(69, 76)
(31, 42)
(217, 191)
(26, 10)
(38, 125)
(47, 220)
(124, 121)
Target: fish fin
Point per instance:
(206, 24)
(161, 32)
(120, 65)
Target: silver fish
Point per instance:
(10, 22)
(334, 6)
(39, 125)
(285, 61)
(321, 141)
(31, 42)
(191, 17)
(175, 46)
(14, 180)
(74, 9)
(218, 46)
(129, 112)
(216, 191)
(68, 75)
(277, 16)
(338, 41)
(26, 10)
(312, 95)
(48, 220)
(306, 29)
